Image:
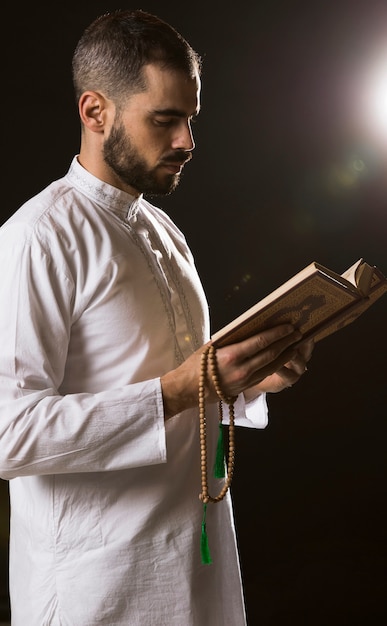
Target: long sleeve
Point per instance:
(41, 429)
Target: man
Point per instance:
(103, 330)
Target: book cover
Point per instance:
(316, 300)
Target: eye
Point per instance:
(164, 121)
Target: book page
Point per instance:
(350, 273)
(360, 274)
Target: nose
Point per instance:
(183, 139)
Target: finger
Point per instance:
(273, 366)
(269, 348)
(248, 362)
(306, 349)
(288, 376)
(280, 336)
(297, 364)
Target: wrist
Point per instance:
(177, 397)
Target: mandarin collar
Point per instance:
(124, 204)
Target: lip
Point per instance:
(174, 167)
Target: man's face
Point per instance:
(151, 139)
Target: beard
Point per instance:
(128, 165)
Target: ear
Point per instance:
(93, 110)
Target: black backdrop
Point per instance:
(287, 170)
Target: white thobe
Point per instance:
(99, 298)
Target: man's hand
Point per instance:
(267, 361)
(285, 376)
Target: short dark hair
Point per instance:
(114, 48)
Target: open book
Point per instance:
(317, 301)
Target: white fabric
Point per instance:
(99, 297)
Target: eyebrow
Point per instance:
(174, 113)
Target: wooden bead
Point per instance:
(209, 354)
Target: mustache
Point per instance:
(178, 156)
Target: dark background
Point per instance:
(289, 168)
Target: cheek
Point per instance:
(150, 142)
(154, 146)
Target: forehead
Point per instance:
(168, 89)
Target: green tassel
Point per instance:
(219, 468)
(204, 547)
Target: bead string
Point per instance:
(209, 355)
